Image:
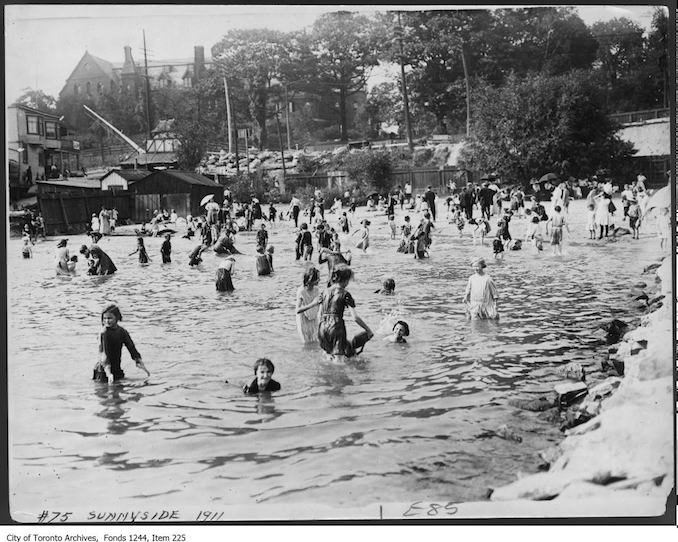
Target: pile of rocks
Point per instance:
(619, 432)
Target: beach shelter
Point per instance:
(173, 189)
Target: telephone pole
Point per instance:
(148, 91)
(406, 103)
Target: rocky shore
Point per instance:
(619, 432)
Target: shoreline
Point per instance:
(625, 450)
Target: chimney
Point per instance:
(198, 61)
(128, 66)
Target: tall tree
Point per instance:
(252, 60)
(345, 46)
(531, 125)
(658, 56)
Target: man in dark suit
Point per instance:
(430, 198)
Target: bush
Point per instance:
(368, 167)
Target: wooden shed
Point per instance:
(173, 189)
(122, 179)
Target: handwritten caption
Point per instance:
(418, 509)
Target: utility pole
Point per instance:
(148, 91)
(468, 94)
(287, 120)
(282, 152)
(228, 118)
(406, 103)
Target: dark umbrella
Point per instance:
(549, 177)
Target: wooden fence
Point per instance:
(68, 212)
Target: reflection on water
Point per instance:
(399, 423)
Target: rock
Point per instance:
(573, 418)
(570, 393)
(655, 307)
(540, 486)
(656, 299)
(640, 285)
(618, 366)
(641, 297)
(651, 267)
(535, 405)
(508, 434)
(605, 388)
(550, 455)
(573, 371)
(615, 330)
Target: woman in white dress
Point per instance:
(480, 297)
(307, 322)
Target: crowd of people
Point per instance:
(320, 311)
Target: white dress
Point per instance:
(482, 299)
(603, 212)
(307, 322)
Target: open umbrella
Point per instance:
(208, 197)
(660, 199)
(549, 177)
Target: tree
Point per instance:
(37, 99)
(530, 126)
(252, 60)
(658, 56)
(345, 47)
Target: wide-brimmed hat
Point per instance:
(479, 261)
(62, 243)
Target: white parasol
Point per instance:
(207, 198)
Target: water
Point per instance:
(400, 424)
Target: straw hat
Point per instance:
(479, 261)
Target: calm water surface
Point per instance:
(403, 423)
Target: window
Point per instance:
(51, 130)
(76, 89)
(24, 155)
(88, 89)
(112, 86)
(41, 158)
(32, 125)
(100, 89)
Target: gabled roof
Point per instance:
(187, 177)
(151, 158)
(104, 65)
(33, 110)
(72, 182)
(130, 175)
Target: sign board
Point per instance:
(76, 145)
(244, 132)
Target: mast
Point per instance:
(148, 91)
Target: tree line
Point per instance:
(452, 58)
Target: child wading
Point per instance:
(480, 297)
(364, 236)
(141, 250)
(223, 279)
(262, 237)
(264, 261)
(263, 381)
(332, 328)
(111, 341)
(166, 249)
(557, 222)
(304, 243)
(307, 321)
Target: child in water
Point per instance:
(111, 341)
(364, 236)
(591, 220)
(141, 249)
(262, 237)
(387, 287)
(307, 322)
(194, 257)
(400, 331)
(27, 251)
(223, 280)
(498, 243)
(263, 381)
(480, 297)
(304, 242)
(264, 261)
(392, 225)
(332, 328)
(166, 249)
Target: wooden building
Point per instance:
(122, 179)
(173, 189)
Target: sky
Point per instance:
(43, 43)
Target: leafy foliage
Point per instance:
(535, 125)
(369, 168)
